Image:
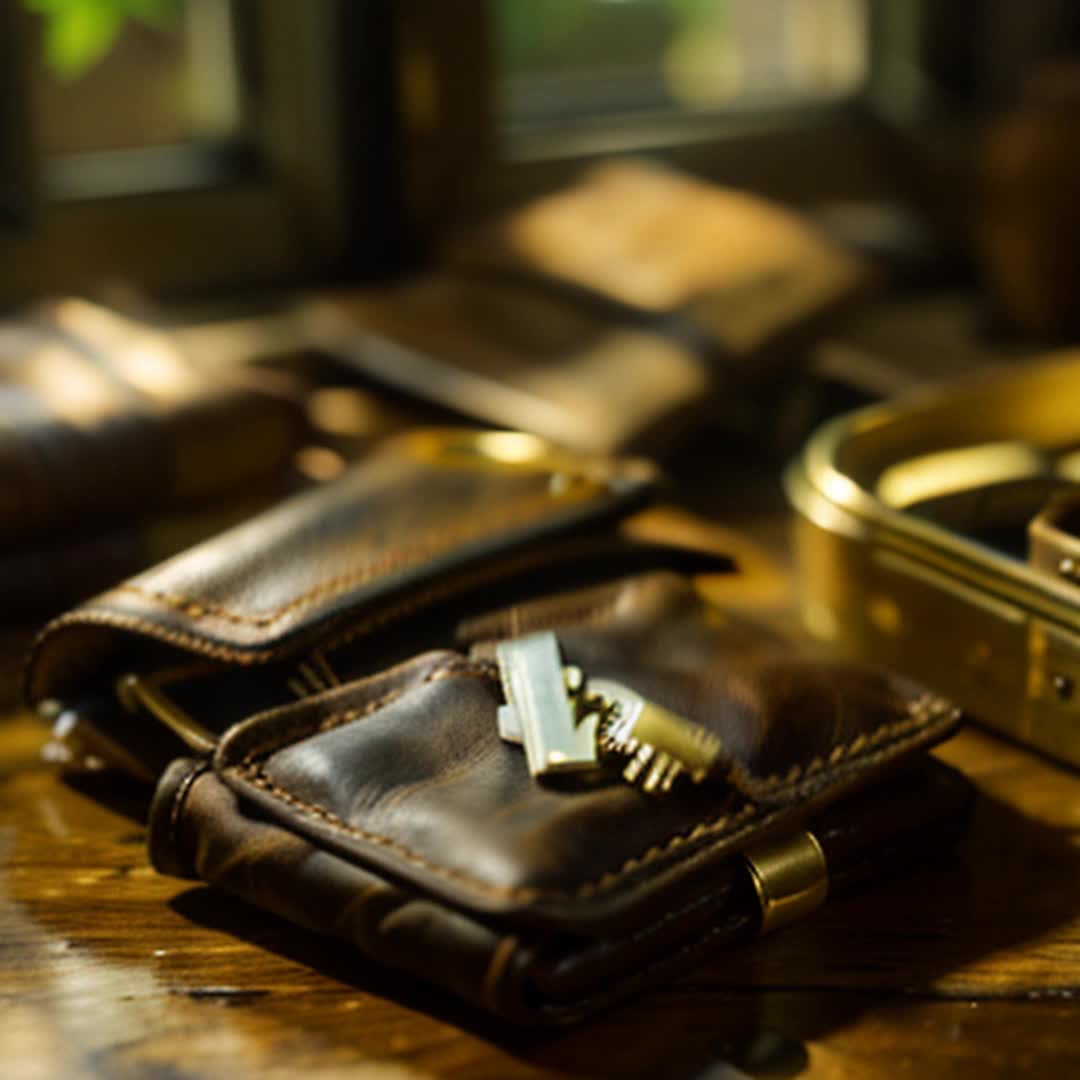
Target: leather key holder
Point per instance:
(316, 696)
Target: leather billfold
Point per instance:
(317, 696)
(613, 316)
(120, 444)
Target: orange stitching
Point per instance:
(754, 786)
(501, 956)
(257, 777)
(92, 618)
(920, 721)
(245, 657)
(404, 555)
(456, 666)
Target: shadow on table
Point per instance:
(753, 1010)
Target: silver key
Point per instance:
(539, 711)
(568, 723)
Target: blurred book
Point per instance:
(615, 315)
(735, 272)
(118, 447)
(513, 357)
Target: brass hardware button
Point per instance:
(790, 878)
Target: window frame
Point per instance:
(15, 177)
(272, 210)
(458, 174)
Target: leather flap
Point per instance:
(405, 772)
(427, 507)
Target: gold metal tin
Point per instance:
(883, 583)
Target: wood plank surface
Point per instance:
(970, 967)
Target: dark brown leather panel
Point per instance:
(394, 525)
(406, 771)
(200, 828)
(198, 820)
(387, 809)
(105, 418)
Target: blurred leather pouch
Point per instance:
(613, 315)
(107, 419)
(337, 756)
(121, 444)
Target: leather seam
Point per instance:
(642, 933)
(177, 808)
(432, 593)
(406, 555)
(455, 667)
(608, 945)
(755, 787)
(119, 620)
(642, 974)
(841, 757)
(501, 956)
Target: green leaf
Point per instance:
(79, 33)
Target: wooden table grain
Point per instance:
(968, 968)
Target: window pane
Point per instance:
(130, 74)
(562, 61)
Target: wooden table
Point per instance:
(969, 968)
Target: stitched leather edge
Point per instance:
(731, 926)
(449, 668)
(86, 616)
(864, 749)
(89, 617)
(515, 513)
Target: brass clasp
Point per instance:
(790, 878)
(135, 692)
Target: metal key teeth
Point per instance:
(638, 764)
(622, 747)
(674, 771)
(662, 774)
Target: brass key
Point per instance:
(660, 744)
(570, 723)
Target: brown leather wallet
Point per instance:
(121, 444)
(318, 690)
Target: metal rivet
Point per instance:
(790, 877)
(1067, 568)
(1063, 687)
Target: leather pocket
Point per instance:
(401, 781)
(430, 513)
(406, 771)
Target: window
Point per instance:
(171, 77)
(183, 145)
(567, 63)
(503, 99)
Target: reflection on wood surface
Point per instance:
(969, 967)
